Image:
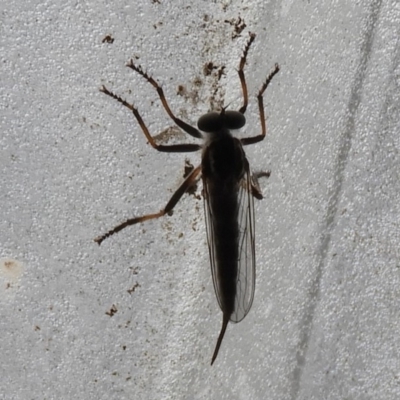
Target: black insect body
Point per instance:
(224, 165)
(229, 188)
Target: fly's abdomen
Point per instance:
(224, 207)
(223, 169)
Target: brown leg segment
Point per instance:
(259, 138)
(187, 183)
(241, 74)
(175, 148)
(183, 125)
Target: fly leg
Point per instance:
(183, 125)
(255, 189)
(259, 138)
(241, 73)
(175, 148)
(185, 186)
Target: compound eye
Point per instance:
(214, 122)
(210, 122)
(234, 119)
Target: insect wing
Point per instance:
(245, 280)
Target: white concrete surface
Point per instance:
(325, 323)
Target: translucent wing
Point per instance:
(245, 279)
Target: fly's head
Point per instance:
(214, 122)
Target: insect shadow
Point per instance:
(228, 190)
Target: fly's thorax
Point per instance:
(223, 157)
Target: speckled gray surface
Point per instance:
(325, 319)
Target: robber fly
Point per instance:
(228, 191)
